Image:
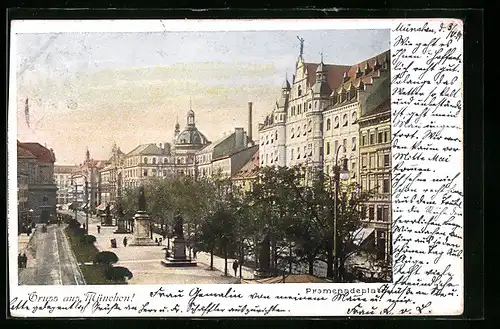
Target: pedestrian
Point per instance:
(24, 260)
(156, 241)
(99, 229)
(125, 241)
(235, 267)
(159, 241)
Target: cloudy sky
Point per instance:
(93, 89)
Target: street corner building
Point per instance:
(328, 112)
(36, 189)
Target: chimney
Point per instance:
(250, 121)
(167, 148)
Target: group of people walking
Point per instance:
(22, 260)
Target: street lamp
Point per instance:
(87, 206)
(336, 175)
(31, 217)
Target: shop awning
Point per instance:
(362, 234)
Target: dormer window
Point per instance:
(145, 160)
(154, 160)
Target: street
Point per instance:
(55, 263)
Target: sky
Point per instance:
(90, 90)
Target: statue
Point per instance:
(142, 199)
(301, 40)
(108, 213)
(178, 230)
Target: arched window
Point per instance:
(328, 124)
(154, 160)
(305, 130)
(345, 120)
(165, 160)
(300, 91)
(291, 132)
(336, 122)
(354, 117)
(145, 160)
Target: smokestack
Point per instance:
(250, 137)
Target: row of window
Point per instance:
(382, 214)
(375, 160)
(344, 143)
(297, 133)
(375, 137)
(345, 121)
(381, 184)
(344, 96)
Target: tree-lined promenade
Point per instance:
(284, 222)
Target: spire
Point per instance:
(87, 154)
(321, 56)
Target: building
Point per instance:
(145, 161)
(293, 132)
(363, 86)
(375, 174)
(335, 112)
(110, 176)
(186, 144)
(88, 171)
(36, 168)
(62, 178)
(226, 155)
(247, 175)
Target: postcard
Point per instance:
(235, 168)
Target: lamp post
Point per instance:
(336, 175)
(87, 208)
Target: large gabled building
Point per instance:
(37, 189)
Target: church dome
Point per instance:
(190, 136)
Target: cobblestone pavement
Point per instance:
(53, 262)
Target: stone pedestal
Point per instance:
(142, 234)
(178, 255)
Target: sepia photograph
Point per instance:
(232, 157)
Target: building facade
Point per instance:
(62, 178)
(375, 174)
(334, 112)
(36, 170)
(88, 171)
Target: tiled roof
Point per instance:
(42, 153)
(250, 168)
(21, 152)
(364, 72)
(146, 149)
(334, 74)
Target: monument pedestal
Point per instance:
(142, 234)
(178, 255)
